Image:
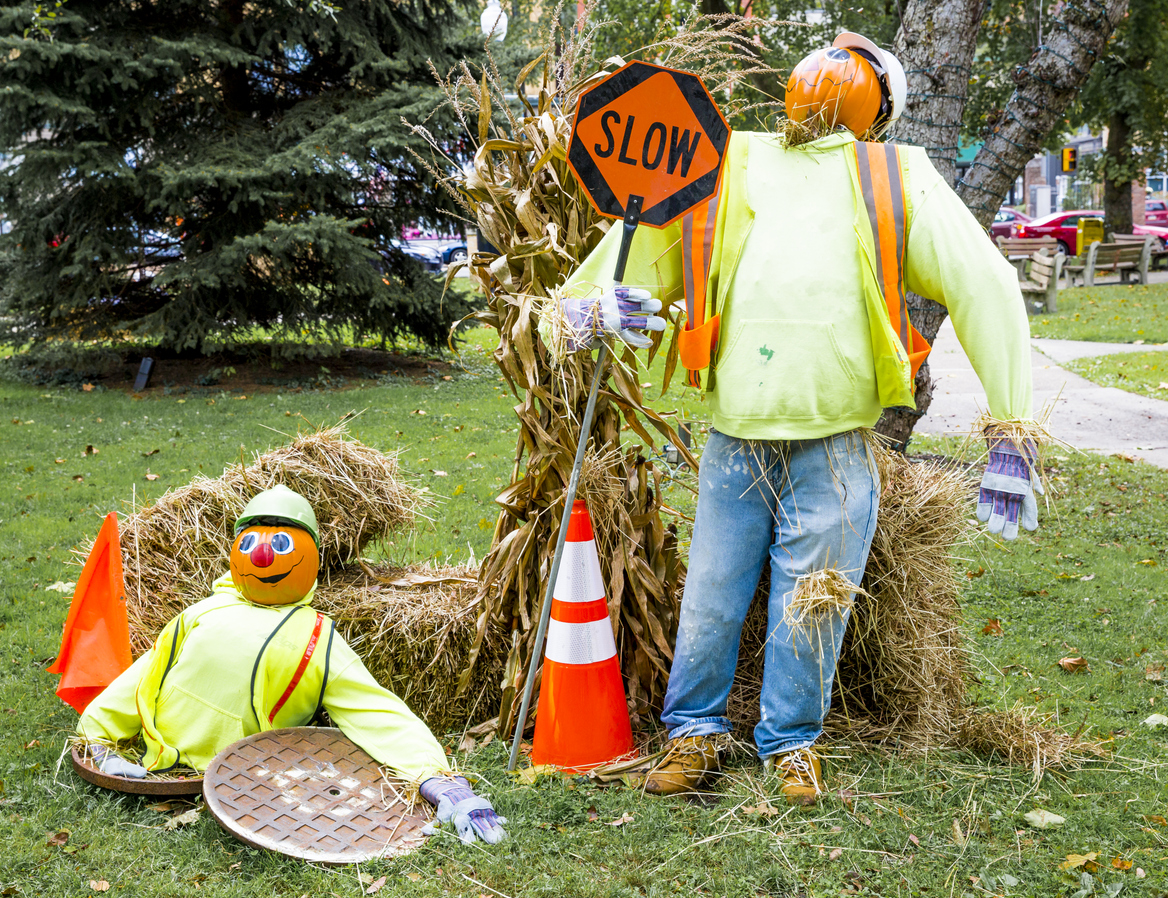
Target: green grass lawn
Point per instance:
(1090, 583)
(1112, 314)
(1145, 373)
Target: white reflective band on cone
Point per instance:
(580, 643)
(579, 577)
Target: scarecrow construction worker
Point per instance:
(255, 655)
(794, 277)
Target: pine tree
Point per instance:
(184, 171)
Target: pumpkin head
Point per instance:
(837, 85)
(274, 557)
(274, 564)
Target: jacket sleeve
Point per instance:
(654, 262)
(113, 716)
(379, 721)
(950, 260)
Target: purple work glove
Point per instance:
(1006, 498)
(617, 311)
(472, 816)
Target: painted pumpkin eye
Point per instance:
(281, 543)
(247, 543)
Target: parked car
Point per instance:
(1160, 232)
(1005, 222)
(1060, 225)
(1156, 212)
(453, 252)
(429, 257)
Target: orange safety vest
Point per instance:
(882, 186)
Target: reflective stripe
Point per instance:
(697, 249)
(882, 185)
(579, 579)
(580, 643)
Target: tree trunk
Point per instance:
(1046, 85)
(935, 44)
(1117, 191)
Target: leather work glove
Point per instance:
(617, 311)
(473, 816)
(109, 761)
(1006, 498)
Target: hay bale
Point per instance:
(414, 629)
(902, 670)
(173, 550)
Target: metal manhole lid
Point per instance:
(192, 784)
(310, 793)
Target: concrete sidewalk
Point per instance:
(1089, 417)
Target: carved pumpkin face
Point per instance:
(274, 564)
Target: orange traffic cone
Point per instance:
(95, 645)
(583, 718)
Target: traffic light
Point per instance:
(1070, 159)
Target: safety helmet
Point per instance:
(891, 73)
(853, 83)
(279, 505)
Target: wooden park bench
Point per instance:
(1040, 289)
(1125, 259)
(1158, 254)
(1019, 250)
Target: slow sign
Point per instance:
(650, 132)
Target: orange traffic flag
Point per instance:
(583, 717)
(95, 645)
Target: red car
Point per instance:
(1156, 212)
(1060, 225)
(1160, 232)
(1005, 221)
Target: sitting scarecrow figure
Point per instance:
(255, 655)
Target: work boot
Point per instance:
(801, 773)
(686, 763)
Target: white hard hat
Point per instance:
(889, 69)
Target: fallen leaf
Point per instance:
(1153, 672)
(151, 476)
(183, 819)
(163, 807)
(472, 455)
(467, 744)
(1120, 864)
(1086, 861)
(763, 809)
(375, 886)
(447, 377)
(151, 452)
(90, 450)
(1074, 665)
(993, 627)
(835, 854)
(62, 586)
(1156, 819)
(973, 575)
(418, 411)
(593, 815)
(914, 840)
(1140, 874)
(99, 885)
(33, 744)
(58, 461)
(1041, 819)
(413, 877)
(78, 477)
(959, 835)
(1155, 720)
(624, 818)
(88, 388)
(438, 473)
(1151, 562)
(1088, 578)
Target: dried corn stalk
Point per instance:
(526, 202)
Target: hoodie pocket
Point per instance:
(785, 368)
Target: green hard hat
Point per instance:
(279, 505)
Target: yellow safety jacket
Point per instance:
(800, 329)
(224, 669)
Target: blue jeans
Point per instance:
(808, 504)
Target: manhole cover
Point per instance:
(310, 793)
(190, 784)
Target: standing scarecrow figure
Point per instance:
(254, 656)
(794, 276)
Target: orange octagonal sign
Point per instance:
(650, 132)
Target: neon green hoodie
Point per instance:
(792, 278)
(217, 671)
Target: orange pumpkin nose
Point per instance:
(262, 555)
